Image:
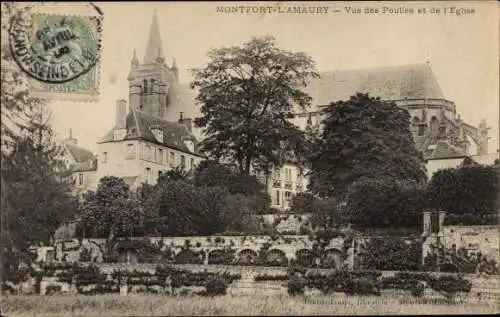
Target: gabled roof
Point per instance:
(87, 166)
(80, 155)
(139, 125)
(389, 83)
(129, 180)
(445, 150)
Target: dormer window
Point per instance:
(158, 133)
(190, 145)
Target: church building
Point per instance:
(154, 129)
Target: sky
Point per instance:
(462, 49)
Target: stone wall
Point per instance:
(473, 238)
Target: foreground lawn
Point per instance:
(157, 305)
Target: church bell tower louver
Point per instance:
(153, 86)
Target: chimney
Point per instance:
(121, 113)
(188, 122)
(71, 139)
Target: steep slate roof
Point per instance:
(80, 155)
(139, 126)
(389, 83)
(154, 47)
(445, 150)
(415, 81)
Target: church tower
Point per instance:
(153, 86)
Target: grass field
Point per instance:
(157, 305)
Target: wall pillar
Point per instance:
(123, 285)
(427, 224)
(442, 215)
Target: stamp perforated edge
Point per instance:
(71, 96)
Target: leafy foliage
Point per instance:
(112, 210)
(35, 197)
(382, 203)
(302, 203)
(363, 137)
(469, 189)
(390, 254)
(247, 95)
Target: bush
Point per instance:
(296, 286)
(52, 289)
(391, 254)
(266, 277)
(385, 203)
(469, 189)
(85, 255)
(216, 286)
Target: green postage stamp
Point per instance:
(60, 54)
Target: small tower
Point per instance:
(482, 135)
(175, 70)
(134, 63)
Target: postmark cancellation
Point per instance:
(60, 54)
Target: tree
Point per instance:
(188, 210)
(363, 137)
(112, 210)
(385, 203)
(222, 175)
(328, 214)
(247, 95)
(239, 214)
(17, 102)
(466, 190)
(302, 203)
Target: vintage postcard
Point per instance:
(250, 158)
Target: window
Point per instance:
(148, 175)
(104, 157)
(183, 161)
(442, 132)
(288, 174)
(159, 174)
(191, 166)
(145, 86)
(147, 153)
(160, 156)
(172, 159)
(130, 154)
(277, 198)
(421, 129)
(80, 178)
(152, 85)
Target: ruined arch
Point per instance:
(247, 256)
(304, 257)
(187, 256)
(276, 257)
(220, 256)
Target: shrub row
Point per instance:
(371, 283)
